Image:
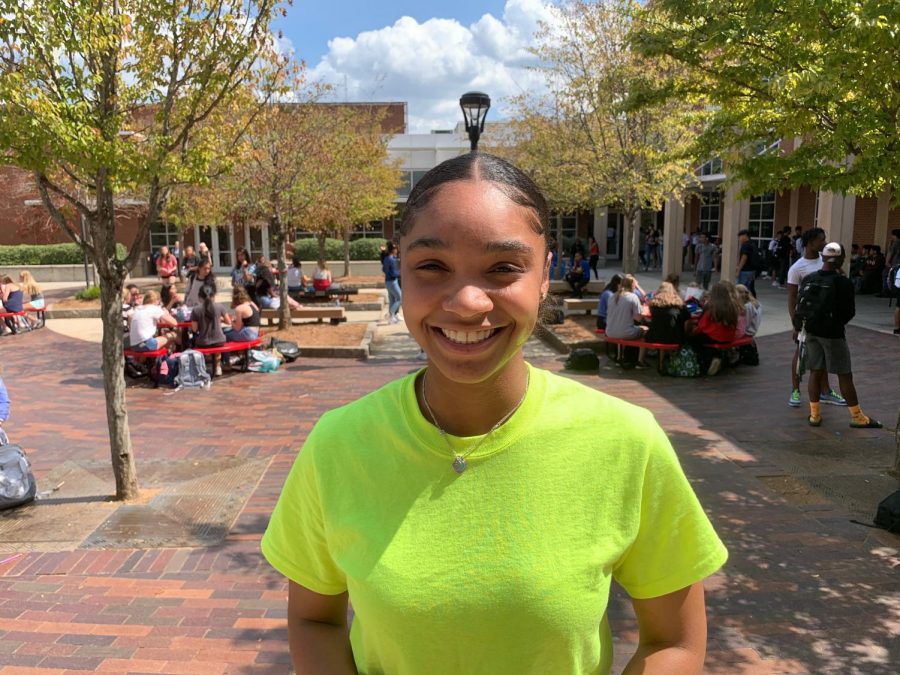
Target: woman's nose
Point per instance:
(468, 300)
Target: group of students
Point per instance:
(701, 320)
(12, 300)
(212, 325)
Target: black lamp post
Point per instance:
(475, 106)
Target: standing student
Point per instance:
(706, 252)
(393, 501)
(391, 268)
(826, 341)
(748, 262)
(813, 241)
(594, 255)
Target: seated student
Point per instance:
(624, 319)
(579, 276)
(168, 294)
(12, 299)
(131, 298)
(297, 281)
(145, 319)
(668, 315)
(752, 312)
(244, 327)
(242, 272)
(675, 281)
(265, 292)
(603, 304)
(206, 322)
(322, 277)
(35, 297)
(719, 323)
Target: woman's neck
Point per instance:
(472, 409)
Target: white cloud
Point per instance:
(430, 64)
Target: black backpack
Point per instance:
(816, 302)
(755, 261)
(888, 515)
(289, 350)
(583, 359)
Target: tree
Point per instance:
(585, 142)
(822, 72)
(106, 101)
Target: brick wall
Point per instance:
(864, 221)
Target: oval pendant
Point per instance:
(459, 464)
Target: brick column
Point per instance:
(735, 217)
(673, 228)
(882, 209)
(836, 213)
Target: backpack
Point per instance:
(815, 303)
(893, 282)
(583, 359)
(192, 371)
(888, 515)
(684, 363)
(165, 369)
(755, 261)
(17, 485)
(289, 350)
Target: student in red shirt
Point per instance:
(718, 324)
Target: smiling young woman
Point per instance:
(479, 530)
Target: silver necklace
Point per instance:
(459, 459)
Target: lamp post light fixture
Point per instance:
(475, 106)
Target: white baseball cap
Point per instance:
(832, 250)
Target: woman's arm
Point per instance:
(672, 633)
(317, 633)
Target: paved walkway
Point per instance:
(805, 590)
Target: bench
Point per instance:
(334, 314)
(662, 348)
(232, 347)
(140, 356)
(561, 286)
(586, 305)
(41, 315)
(723, 346)
(325, 296)
(16, 321)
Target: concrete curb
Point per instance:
(359, 352)
(72, 313)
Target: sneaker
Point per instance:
(833, 398)
(869, 424)
(775, 284)
(794, 401)
(814, 421)
(219, 370)
(393, 320)
(642, 365)
(714, 366)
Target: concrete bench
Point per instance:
(586, 305)
(334, 314)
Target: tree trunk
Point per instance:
(320, 238)
(113, 362)
(560, 249)
(632, 236)
(284, 308)
(347, 250)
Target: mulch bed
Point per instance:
(321, 334)
(576, 329)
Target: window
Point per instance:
(762, 219)
(710, 212)
(569, 224)
(374, 230)
(408, 180)
(223, 246)
(712, 167)
(163, 234)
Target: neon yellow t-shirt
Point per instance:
(506, 568)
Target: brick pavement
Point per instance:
(803, 592)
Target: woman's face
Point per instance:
(474, 272)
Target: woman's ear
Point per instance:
(545, 281)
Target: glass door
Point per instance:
(222, 249)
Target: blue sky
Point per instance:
(426, 53)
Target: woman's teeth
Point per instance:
(467, 337)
